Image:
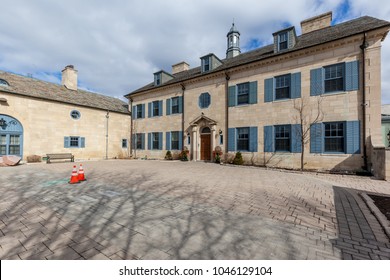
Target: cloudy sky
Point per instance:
(116, 46)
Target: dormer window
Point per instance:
(283, 41)
(3, 83)
(206, 64)
(157, 79)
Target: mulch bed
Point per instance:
(383, 204)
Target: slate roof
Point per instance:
(31, 87)
(311, 39)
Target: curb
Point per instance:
(377, 213)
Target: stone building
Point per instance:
(38, 117)
(248, 101)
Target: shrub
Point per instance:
(168, 155)
(34, 158)
(183, 156)
(238, 160)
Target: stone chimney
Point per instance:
(180, 67)
(69, 77)
(316, 23)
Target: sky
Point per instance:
(116, 46)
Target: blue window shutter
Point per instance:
(253, 139)
(296, 138)
(66, 142)
(231, 139)
(160, 140)
(168, 104)
(352, 75)
(232, 96)
(160, 108)
(353, 137)
(269, 90)
(134, 112)
(142, 141)
(150, 109)
(316, 81)
(296, 85)
(180, 140)
(269, 145)
(253, 92)
(143, 111)
(180, 104)
(316, 138)
(82, 142)
(133, 144)
(149, 141)
(168, 140)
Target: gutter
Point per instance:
(225, 141)
(363, 47)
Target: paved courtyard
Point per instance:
(130, 209)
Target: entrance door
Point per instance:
(205, 147)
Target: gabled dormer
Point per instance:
(210, 62)
(284, 39)
(161, 77)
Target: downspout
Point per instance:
(363, 48)
(131, 126)
(107, 117)
(183, 88)
(227, 78)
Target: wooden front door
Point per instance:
(205, 147)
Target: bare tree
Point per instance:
(308, 113)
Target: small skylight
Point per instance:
(3, 83)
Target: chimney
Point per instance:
(180, 67)
(69, 77)
(316, 23)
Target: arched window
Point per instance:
(3, 83)
(206, 130)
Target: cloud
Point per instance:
(116, 46)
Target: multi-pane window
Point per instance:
(157, 79)
(74, 141)
(282, 138)
(334, 137)
(204, 100)
(155, 140)
(206, 64)
(75, 114)
(174, 140)
(283, 41)
(334, 78)
(156, 108)
(243, 139)
(124, 143)
(175, 105)
(138, 141)
(243, 93)
(3, 144)
(282, 87)
(14, 144)
(139, 111)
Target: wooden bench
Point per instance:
(50, 157)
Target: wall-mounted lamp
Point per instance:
(2, 122)
(220, 132)
(388, 136)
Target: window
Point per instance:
(243, 139)
(124, 143)
(243, 93)
(139, 141)
(3, 144)
(175, 140)
(188, 139)
(157, 79)
(282, 138)
(221, 139)
(139, 111)
(334, 78)
(74, 142)
(204, 100)
(156, 108)
(3, 83)
(175, 105)
(282, 87)
(155, 140)
(206, 64)
(75, 114)
(334, 137)
(283, 41)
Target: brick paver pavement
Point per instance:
(131, 209)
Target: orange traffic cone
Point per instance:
(74, 179)
(81, 176)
